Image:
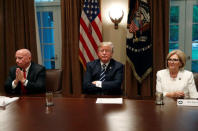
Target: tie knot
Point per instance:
(103, 66)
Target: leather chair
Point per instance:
(196, 79)
(54, 80)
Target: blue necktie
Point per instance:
(102, 74)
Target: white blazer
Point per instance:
(183, 82)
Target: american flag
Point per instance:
(133, 27)
(90, 31)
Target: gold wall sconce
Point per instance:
(116, 20)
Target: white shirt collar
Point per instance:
(101, 63)
(27, 69)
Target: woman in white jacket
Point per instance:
(175, 82)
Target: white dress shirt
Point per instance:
(183, 82)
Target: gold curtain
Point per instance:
(72, 71)
(160, 32)
(17, 30)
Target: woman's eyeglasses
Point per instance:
(173, 60)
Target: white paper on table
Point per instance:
(7, 100)
(109, 101)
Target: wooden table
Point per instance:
(83, 114)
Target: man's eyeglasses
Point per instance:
(173, 60)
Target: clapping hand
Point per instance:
(19, 76)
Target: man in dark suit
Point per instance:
(27, 77)
(103, 76)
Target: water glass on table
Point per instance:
(49, 98)
(159, 98)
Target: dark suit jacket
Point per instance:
(36, 80)
(113, 78)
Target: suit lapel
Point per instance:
(110, 66)
(30, 70)
(97, 69)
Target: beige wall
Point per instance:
(118, 37)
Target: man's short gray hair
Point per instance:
(110, 44)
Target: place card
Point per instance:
(109, 101)
(187, 102)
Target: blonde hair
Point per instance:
(110, 44)
(181, 55)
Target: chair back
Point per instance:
(54, 80)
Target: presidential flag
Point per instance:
(90, 31)
(139, 46)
